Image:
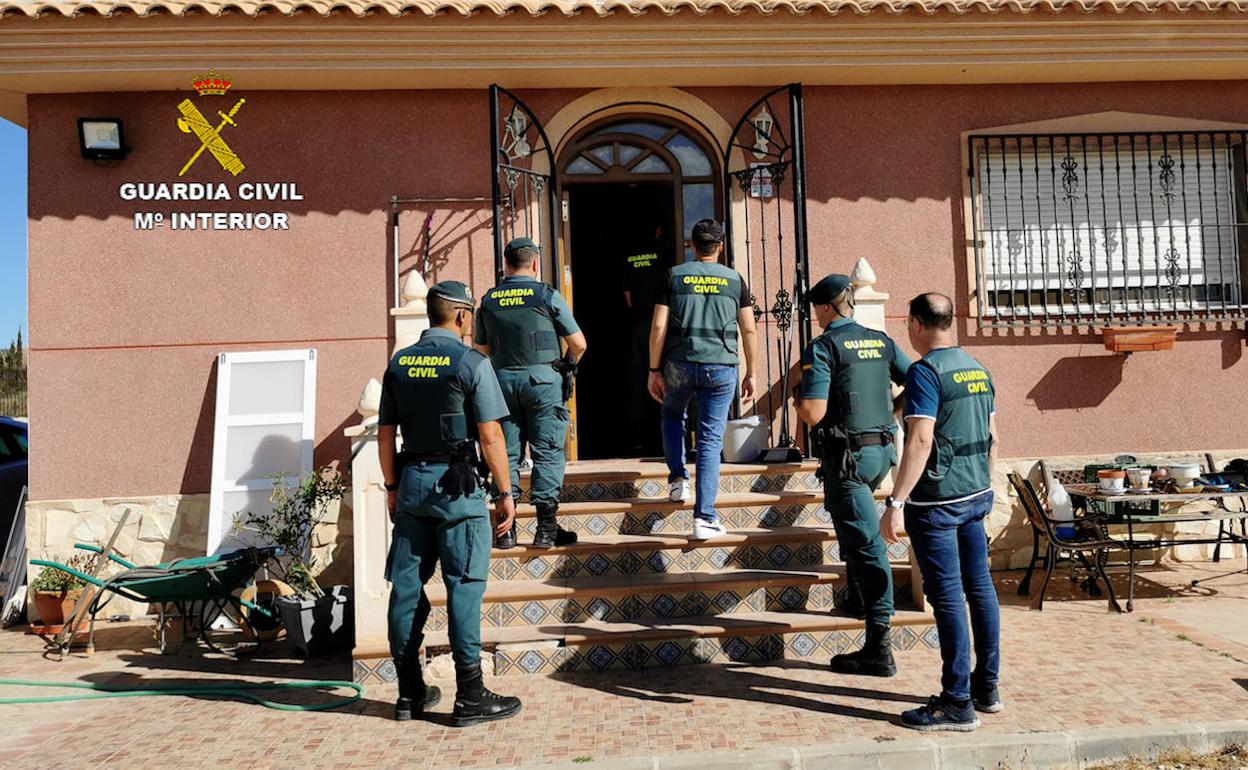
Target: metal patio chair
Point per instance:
(1091, 545)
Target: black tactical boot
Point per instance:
(414, 696)
(474, 704)
(874, 659)
(508, 538)
(549, 534)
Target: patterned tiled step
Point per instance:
(779, 548)
(662, 505)
(598, 646)
(647, 516)
(627, 479)
(620, 598)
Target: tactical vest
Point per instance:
(958, 466)
(860, 395)
(518, 325)
(702, 319)
(433, 412)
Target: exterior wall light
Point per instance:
(102, 138)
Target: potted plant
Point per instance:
(316, 620)
(56, 591)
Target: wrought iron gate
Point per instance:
(522, 173)
(765, 171)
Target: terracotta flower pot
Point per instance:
(54, 606)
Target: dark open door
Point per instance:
(522, 172)
(765, 168)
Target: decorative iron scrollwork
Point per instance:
(520, 176)
(782, 311)
(1070, 179)
(1173, 271)
(1074, 271)
(763, 164)
(1166, 177)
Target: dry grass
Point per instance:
(1232, 757)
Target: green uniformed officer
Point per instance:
(520, 325)
(643, 273)
(442, 395)
(846, 395)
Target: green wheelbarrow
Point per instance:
(198, 591)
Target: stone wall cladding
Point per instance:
(160, 529)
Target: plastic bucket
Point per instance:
(745, 439)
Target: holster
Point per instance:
(566, 366)
(465, 471)
(835, 448)
(831, 446)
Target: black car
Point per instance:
(14, 450)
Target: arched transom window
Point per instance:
(649, 149)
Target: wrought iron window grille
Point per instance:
(1109, 228)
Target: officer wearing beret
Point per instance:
(444, 398)
(846, 396)
(521, 323)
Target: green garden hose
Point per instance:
(233, 691)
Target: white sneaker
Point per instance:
(678, 490)
(705, 530)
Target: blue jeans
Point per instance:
(951, 547)
(713, 385)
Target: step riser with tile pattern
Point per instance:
(588, 491)
(669, 522)
(816, 647)
(653, 561)
(669, 604)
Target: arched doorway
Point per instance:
(632, 187)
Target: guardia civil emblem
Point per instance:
(209, 136)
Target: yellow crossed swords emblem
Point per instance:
(193, 121)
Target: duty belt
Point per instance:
(875, 438)
(407, 458)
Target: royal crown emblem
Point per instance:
(211, 84)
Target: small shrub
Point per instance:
(53, 581)
(297, 511)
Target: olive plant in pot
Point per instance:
(317, 620)
(56, 591)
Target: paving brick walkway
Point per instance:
(1180, 658)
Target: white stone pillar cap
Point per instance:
(370, 402)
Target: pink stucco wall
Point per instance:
(125, 325)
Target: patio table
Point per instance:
(1121, 512)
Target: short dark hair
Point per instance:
(706, 248)
(706, 235)
(442, 310)
(932, 310)
(521, 257)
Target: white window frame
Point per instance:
(218, 522)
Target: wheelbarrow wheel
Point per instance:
(221, 625)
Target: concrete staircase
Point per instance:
(635, 592)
